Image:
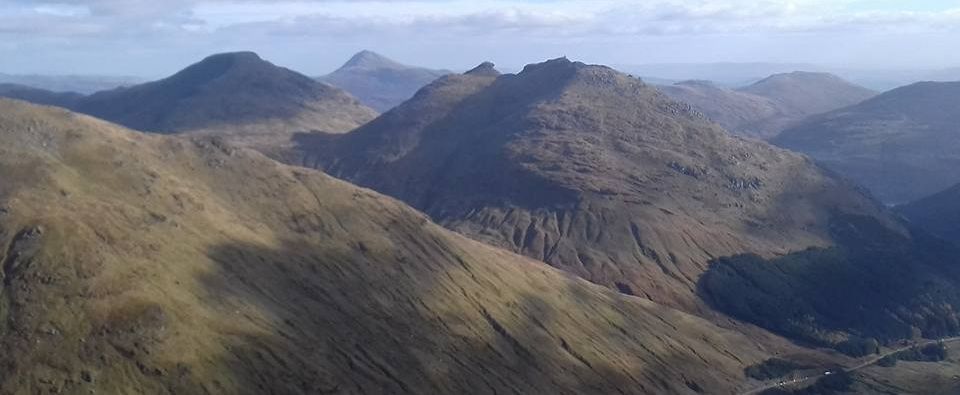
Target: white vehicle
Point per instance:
(827, 373)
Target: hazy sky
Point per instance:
(156, 37)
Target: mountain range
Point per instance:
(902, 145)
(594, 172)
(379, 82)
(139, 263)
(683, 257)
(39, 96)
(767, 107)
(83, 84)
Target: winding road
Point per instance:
(863, 364)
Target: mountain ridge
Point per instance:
(767, 107)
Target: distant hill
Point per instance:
(597, 173)
(938, 214)
(237, 94)
(83, 84)
(138, 263)
(806, 93)
(379, 82)
(39, 96)
(725, 74)
(903, 145)
(741, 113)
(769, 106)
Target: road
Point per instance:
(863, 364)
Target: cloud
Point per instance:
(184, 28)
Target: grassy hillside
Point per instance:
(140, 263)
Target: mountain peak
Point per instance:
(561, 63)
(484, 69)
(235, 56)
(370, 60)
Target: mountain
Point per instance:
(742, 113)
(39, 96)
(142, 263)
(938, 214)
(726, 74)
(83, 84)
(379, 82)
(903, 145)
(603, 176)
(769, 106)
(237, 94)
(806, 93)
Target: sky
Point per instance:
(153, 38)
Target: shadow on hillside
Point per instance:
(356, 322)
(875, 283)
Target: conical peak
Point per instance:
(370, 59)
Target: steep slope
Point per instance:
(39, 96)
(138, 263)
(903, 145)
(232, 93)
(594, 172)
(938, 214)
(766, 108)
(379, 82)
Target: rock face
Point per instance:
(764, 109)
(593, 172)
(235, 93)
(139, 263)
(903, 145)
(938, 214)
(379, 82)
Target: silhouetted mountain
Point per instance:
(138, 263)
(594, 172)
(39, 96)
(379, 82)
(766, 108)
(903, 145)
(938, 214)
(232, 93)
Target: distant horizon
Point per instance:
(506, 68)
(150, 39)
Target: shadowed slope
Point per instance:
(903, 145)
(938, 214)
(139, 263)
(594, 172)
